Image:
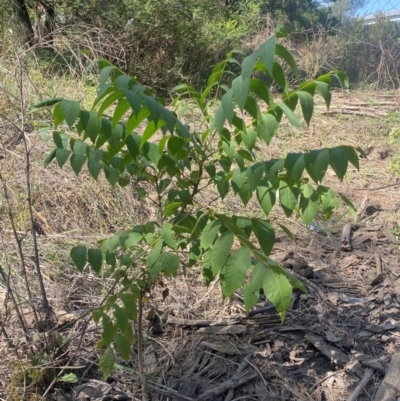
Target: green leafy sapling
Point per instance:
(130, 133)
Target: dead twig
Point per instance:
(364, 381)
(390, 386)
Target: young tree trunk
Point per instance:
(27, 34)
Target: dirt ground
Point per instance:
(346, 328)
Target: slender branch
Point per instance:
(15, 304)
(35, 244)
(142, 376)
(18, 240)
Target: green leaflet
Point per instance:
(233, 274)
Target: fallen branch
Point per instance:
(355, 113)
(332, 353)
(360, 387)
(390, 386)
(232, 383)
(200, 323)
(242, 366)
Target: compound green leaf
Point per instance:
(293, 119)
(77, 162)
(248, 65)
(227, 105)
(78, 256)
(283, 53)
(134, 101)
(62, 156)
(121, 318)
(352, 156)
(266, 195)
(267, 53)
(91, 124)
(110, 244)
(95, 259)
(307, 105)
(114, 95)
(244, 224)
(106, 362)
(233, 274)
(48, 102)
(251, 290)
(249, 138)
(265, 234)
(112, 175)
(50, 157)
(177, 148)
(238, 179)
(323, 89)
(240, 88)
(222, 184)
(94, 168)
(317, 164)
(278, 290)
(122, 107)
(167, 263)
(221, 251)
(287, 197)
(254, 174)
(339, 161)
(123, 346)
(250, 295)
(70, 110)
(109, 329)
(287, 232)
(295, 163)
(209, 233)
(58, 117)
(130, 304)
(61, 140)
(279, 76)
(308, 203)
(343, 78)
(216, 74)
(262, 91)
(135, 120)
(168, 235)
(266, 127)
(245, 193)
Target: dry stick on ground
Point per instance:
(390, 386)
(241, 367)
(364, 381)
(366, 378)
(232, 383)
